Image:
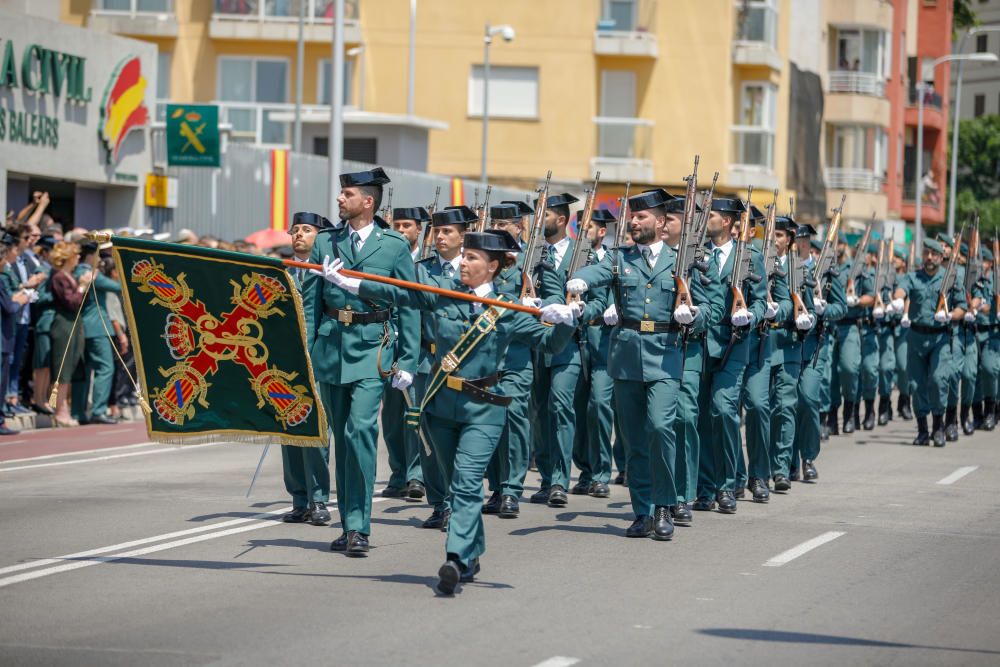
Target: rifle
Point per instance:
(684, 250)
(770, 251)
(882, 269)
(741, 273)
(859, 258)
(483, 211)
(798, 304)
(696, 243)
(427, 243)
(949, 275)
(387, 209)
(824, 263)
(533, 249)
(974, 267)
(434, 204)
(619, 240)
(911, 267)
(581, 249)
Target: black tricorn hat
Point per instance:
(676, 205)
(728, 205)
(522, 208)
(505, 211)
(649, 199)
(784, 223)
(418, 213)
(565, 199)
(804, 231)
(756, 214)
(376, 176)
(600, 216)
(491, 240)
(314, 219)
(454, 215)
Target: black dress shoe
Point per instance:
(319, 515)
(703, 505)
(339, 544)
(620, 478)
(727, 502)
(781, 483)
(434, 520)
(951, 433)
(989, 413)
(357, 544)
(297, 515)
(414, 490)
(102, 419)
(869, 423)
(393, 492)
(903, 408)
(740, 491)
(809, 473)
(469, 573)
(492, 506)
(580, 488)
(793, 475)
(884, 410)
(848, 418)
(445, 520)
(938, 435)
(557, 496)
(663, 524)
(599, 490)
(681, 513)
(541, 496)
(923, 435)
(641, 527)
(509, 508)
(449, 575)
(758, 487)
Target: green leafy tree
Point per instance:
(978, 182)
(964, 16)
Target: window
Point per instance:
(758, 21)
(324, 88)
(135, 6)
(248, 82)
(513, 92)
(979, 105)
(755, 129)
(982, 43)
(316, 11)
(868, 51)
(621, 12)
(162, 84)
(857, 157)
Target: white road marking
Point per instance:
(108, 458)
(958, 474)
(804, 548)
(558, 661)
(12, 442)
(82, 451)
(114, 431)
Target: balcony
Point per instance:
(756, 54)
(756, 36)
(934, 118)
(624, 146)
(626, 28)
(856, 180)
(142, 18)
(753, 152)
(856, 83)
(278, 22)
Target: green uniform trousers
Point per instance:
(755, 397)
(686, 427)
(869, 362)
(402, 443)
(463, 451)
(618, 448)
(970, 363)
(646, 412)
(719, 425)
(988, 378)
(784, 395)
(886, 360)
(555, 389)
(353, 413)
(307, 474)
(901, 342)
(97, 359)
(813, 377)
(430, 467)
(509, 465)
(930, 366)
(846, 360)
(594, 423)
(955, 369)
(825, 367)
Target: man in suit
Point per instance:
(353, 345)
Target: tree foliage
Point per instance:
(978, 182)
(964, 17)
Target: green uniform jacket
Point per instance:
(863, 286)
(508, 282)
(991, 318)
(786, 344)
(345, 353)
(92, 324)
(451, 320)
(923, 290)
(755, 295)
(553, 290)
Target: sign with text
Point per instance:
(192, 135)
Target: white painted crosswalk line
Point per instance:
(802, 549)
(957, 475)
(558, 661)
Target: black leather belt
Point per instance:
(920, 328)
(649, 326)
(348, 316)
(476, 388)
(989, 327)
(598, 322)
(787, 326)
(849, 321)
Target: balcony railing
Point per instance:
(858, 83)
(931, 99)
(251, 122)
(624, 146)
(858, 180)
(753, 146)
(133, 8)
(626, 28)
(317, 11)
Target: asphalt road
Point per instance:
(121, 553)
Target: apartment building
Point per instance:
(980, 84)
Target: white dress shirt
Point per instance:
(724, 251)
(654, 251)
(558, 250)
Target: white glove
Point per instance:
(32, 294)
(853, 300)
(611, 315)
(905, 322)
(898, 305)
(576, 286)
(804, 322)
(820, 306)
(331, 273)
(402, 380)
(970, 316)
(558, 313)
(531, 302)
(772, 310)
(683, 314)
(941, 317)
(577, 307)
(741, 317)
(878, 313)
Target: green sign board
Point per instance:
(192, 135)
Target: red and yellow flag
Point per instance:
(123, 108)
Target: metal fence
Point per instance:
(235, 200)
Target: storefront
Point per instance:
(75, 108)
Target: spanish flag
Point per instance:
(123, 108)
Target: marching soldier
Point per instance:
(645, 358)
(950, 254)
(903, 383)
(929, 346)
(306, 469)
(352, 345)
(408, 223)
(98, 356)
(868, 380)
(845, 356)
(969, 344)
(885, 322)
(988, 337)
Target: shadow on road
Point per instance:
(606, 529)
(194, 564)
(287, 542)
(409, 579)
(833, 640)
(569, 516)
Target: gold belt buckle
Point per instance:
(647, 326)
(454, 383)
(345, 316)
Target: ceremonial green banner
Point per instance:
(220, 346)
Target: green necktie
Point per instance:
(355, 244)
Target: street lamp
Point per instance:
(918, 220)
(507, 33)
(953, 178)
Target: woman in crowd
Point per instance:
(67, 342)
